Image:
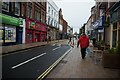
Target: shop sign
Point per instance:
(96, 24)
(10, 20)
(31, 25)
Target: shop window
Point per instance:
(115, 26)
(1, 34)
(17, 8)
(5, 6)
(10, 34)
(36, 37)
(114, 38)
(29, 36)
(119, 36)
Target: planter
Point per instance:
(111, 61)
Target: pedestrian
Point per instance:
(70, 39)
(94, 41)
(83, 41)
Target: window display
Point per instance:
(10, 34)
(1, 34)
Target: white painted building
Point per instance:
(24, 31)
(52, 18)
(69, 31)
(88, 26)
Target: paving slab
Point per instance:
(72, 66)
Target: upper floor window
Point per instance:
(43, 3)
(30, 10)
(5, 6)
(17, 8)
(43, 16)
(24, 9)
(48, 9)
(37, 14)
(52, 12)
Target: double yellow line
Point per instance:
(52, 66)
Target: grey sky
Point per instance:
(75, 12)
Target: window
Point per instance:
(10, 33)
(52, 12)
(119, 36)
(43, 16)
(37, 14)
(1, 33)
(114, 37)
(115, 26)
(30, 10)
(48, 9)
(24, 10)
(5, 6)
(43, 3)
(29, 36)
(17, 8)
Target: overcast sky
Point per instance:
(75, 12)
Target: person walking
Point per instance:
(70, 40)
(83, 41)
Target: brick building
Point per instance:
(35, 16)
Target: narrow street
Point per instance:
(56, 39)
(31, 63)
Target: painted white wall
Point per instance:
(24, 31)
(52, 14)
(89, 26)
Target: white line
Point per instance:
(53, 44)
(55, 48)
(28, 60)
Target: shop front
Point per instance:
(99, 29)
(10, 30)
(35, 31)
(43, 33)
(115, 21)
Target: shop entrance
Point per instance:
(36, 37)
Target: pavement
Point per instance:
(73, 66)
(14, 48)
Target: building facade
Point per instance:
(35, 17)
(52, 20)
(12, 27)
(63, 23)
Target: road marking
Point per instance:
(53, 65)
(55, 48)
(28, 60)
(53, 44)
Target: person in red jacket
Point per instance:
(84, 43)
